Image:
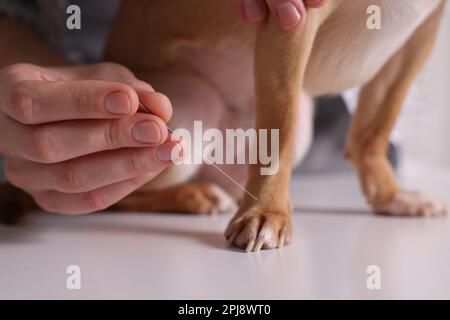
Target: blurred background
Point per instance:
(424, 129)
(422, 136)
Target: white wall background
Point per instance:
(424, 128)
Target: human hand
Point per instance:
(71, 136)
(289, 14)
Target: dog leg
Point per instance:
(380, 103)
(280, 62)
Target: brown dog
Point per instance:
(201, 55)
(217, 69)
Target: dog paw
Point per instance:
(413, 203)
(256, 229)
(205, 199)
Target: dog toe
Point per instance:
(413, 203)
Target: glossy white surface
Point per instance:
(184, 257)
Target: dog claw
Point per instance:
(257, 230)
(282, 240)
(250, 246)
(232, 238)
(259, 245)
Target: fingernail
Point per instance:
(147, 132)
(118, 103)
(252, 10)
(169, 152)
(288, 15)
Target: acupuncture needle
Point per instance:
(147, 110)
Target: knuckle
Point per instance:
(45, 146)
(72, 178)
(96, 201)
(21, 104)
(112, 135)
(82, 101)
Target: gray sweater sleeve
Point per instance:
(25, 10)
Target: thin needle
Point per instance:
(231, 179)
(147, 110)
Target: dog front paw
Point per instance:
(412, 203)
(258, 229)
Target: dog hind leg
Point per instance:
(380, 103)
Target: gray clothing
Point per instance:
(48, 17)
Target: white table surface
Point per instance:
(153, 256)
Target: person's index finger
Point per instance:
(37, 102)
